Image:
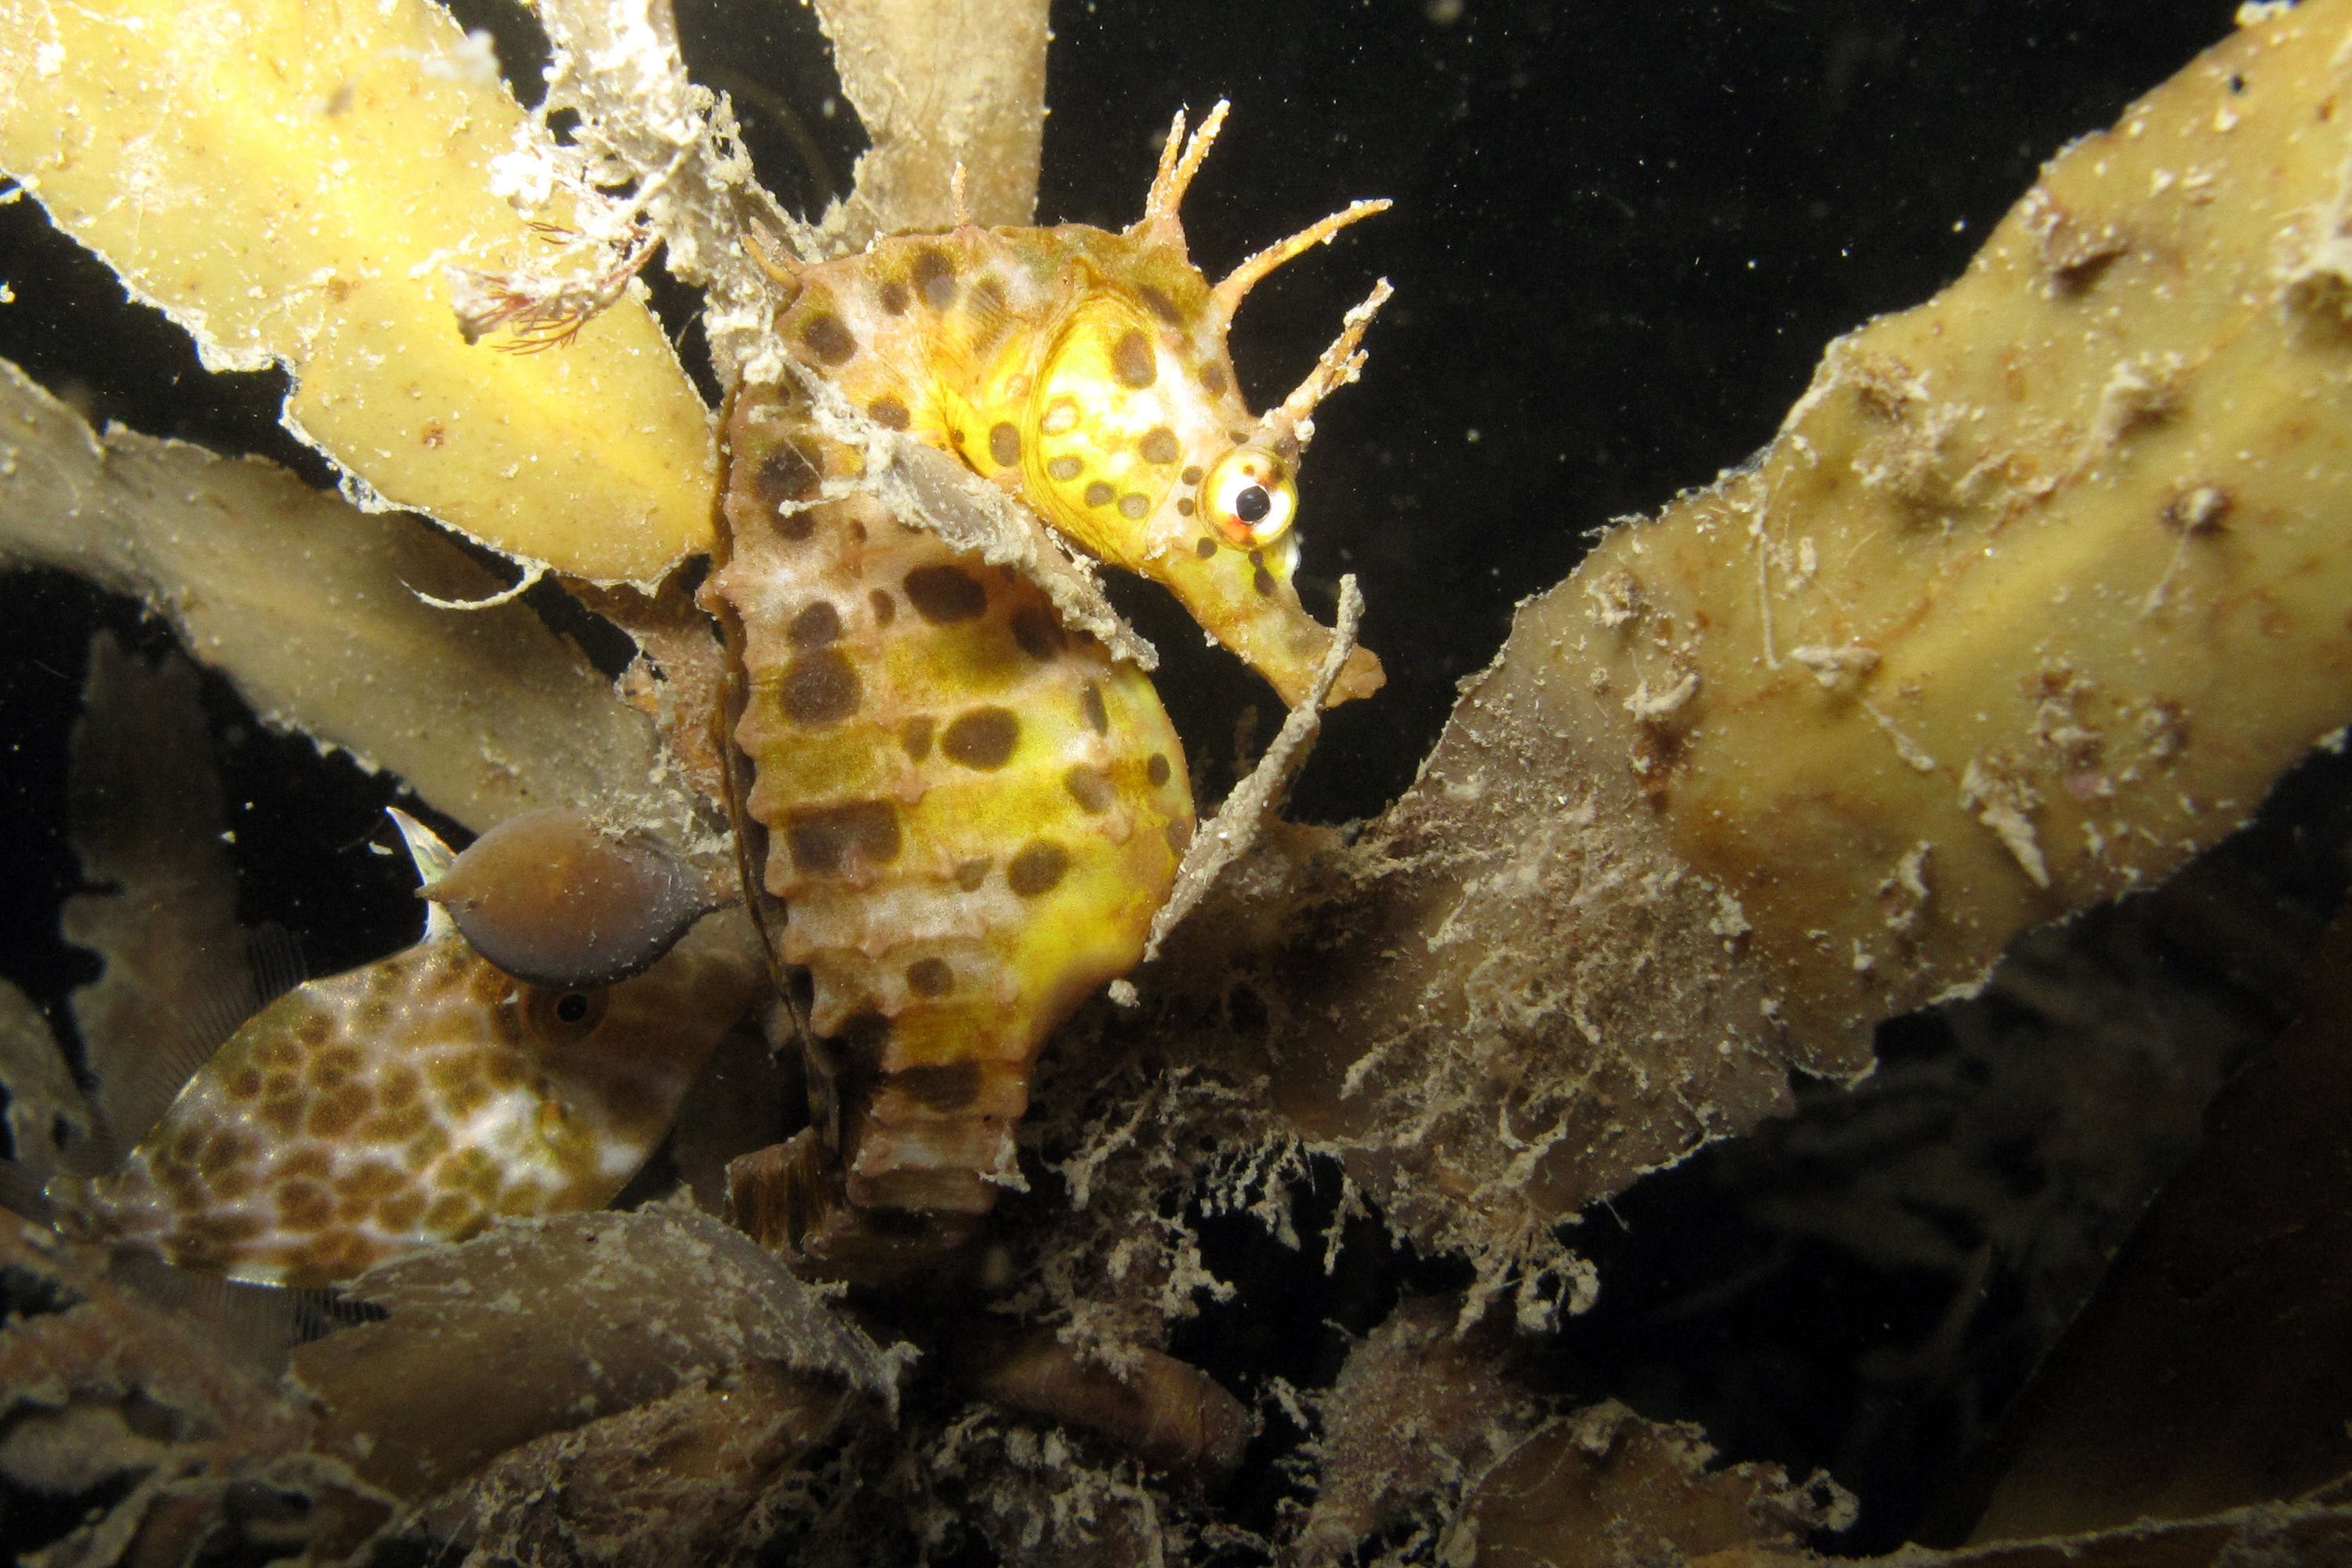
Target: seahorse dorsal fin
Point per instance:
(433, 859)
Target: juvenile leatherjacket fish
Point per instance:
(971, 812)
(409, 1102)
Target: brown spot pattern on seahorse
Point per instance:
(223, 1149)
(862, 1037)
(1038, 868)
(371, 1179)
(942, 1087)
(788, 474)
(828, 337)
(815, 625)
(819, 688)
(1004, 442)
(1037, 632)
(335, 1111)
(935, 279)
(400, 1211)
(1132, 361)
(304, 1205)
(981, 739)
(826, 838)
(450, 1213)
(945, 594)
(1090, 787)
(398, 1086)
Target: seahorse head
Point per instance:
(1087, 372)
(1142, 448)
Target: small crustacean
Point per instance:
(412, 1100)
(972, 813)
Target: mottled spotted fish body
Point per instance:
(410, 1102)
(971, 815)
(1088, 372)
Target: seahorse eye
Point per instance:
(1248, 497)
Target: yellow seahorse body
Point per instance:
(970, 814)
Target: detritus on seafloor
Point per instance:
(538, 1326)
(175, 1442)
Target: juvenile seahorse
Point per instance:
(413, 1099)
(971, 812)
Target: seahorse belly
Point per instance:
(971, 815)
